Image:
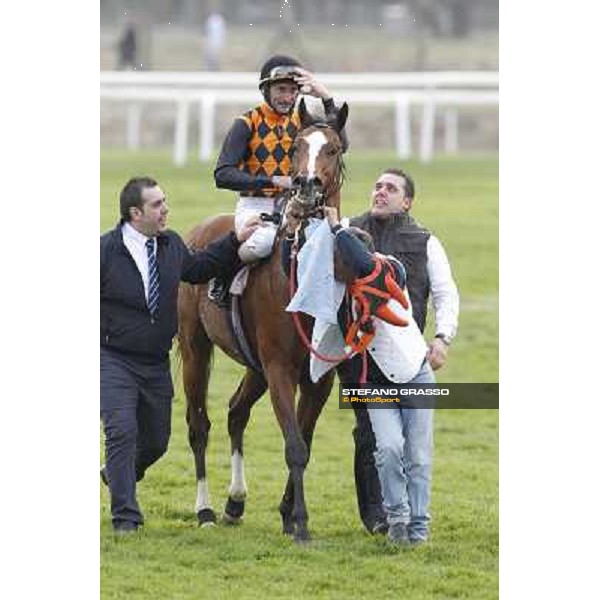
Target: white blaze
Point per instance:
(237, 489)
(315, 141)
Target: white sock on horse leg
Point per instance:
(238, 489)
(202, 500)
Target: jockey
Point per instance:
(255, 157)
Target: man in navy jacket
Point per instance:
(141, 265)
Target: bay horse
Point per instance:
(317, 174)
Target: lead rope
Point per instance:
(302, 333)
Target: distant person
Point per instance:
(141, 265)
(127, 48)
(215, 31)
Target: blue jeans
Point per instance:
(403, 457)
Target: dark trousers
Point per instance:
(135, 407)
(366, 479)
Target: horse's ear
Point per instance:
(305, 119)
(342, 115)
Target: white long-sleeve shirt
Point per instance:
(135, 242)
(444, 293)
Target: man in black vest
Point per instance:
(141, 265)
(428, 271)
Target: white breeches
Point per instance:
(260, 243)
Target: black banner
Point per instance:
(419, 395)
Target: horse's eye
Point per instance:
(332, 151)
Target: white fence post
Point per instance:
(427, 130)
(133, 122)
(403, 135)
(451, 130)
(207, 126)
(181, 133)
(402, 91)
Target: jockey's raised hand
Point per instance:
(309, 85)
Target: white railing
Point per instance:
(429, 91)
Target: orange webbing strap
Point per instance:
(392, 286)
(363, 324)
(372, 275)
(360, 291)
(364, 295)
(358, 344)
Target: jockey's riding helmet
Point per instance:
(277, 68)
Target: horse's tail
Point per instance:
(177, 364)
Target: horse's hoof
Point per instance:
(288, 529)
(287, 522)
(302, 537)
(227, 519)
(206, 517)
(234, 511)
(235, 508)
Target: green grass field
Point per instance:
(172, 558)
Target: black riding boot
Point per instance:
(368, 488)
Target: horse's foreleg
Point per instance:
(251, 388)
(196, 352)
(296, 452)
(310, 404)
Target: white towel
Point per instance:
(318, 294)
(327, 339)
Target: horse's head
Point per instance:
(317, 164)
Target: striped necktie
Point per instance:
(153, 295)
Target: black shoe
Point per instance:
(103, 476)
(417, 541)
(398, 534)
(218, 292)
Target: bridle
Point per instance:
(308, 195)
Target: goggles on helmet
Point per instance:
(281, 73)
